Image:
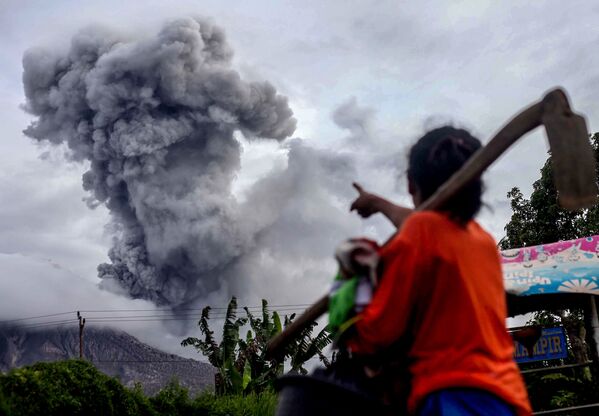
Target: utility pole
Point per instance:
(81, 325)
(591, 318)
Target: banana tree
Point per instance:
(262, 371)
(242, 366)
(223, 356)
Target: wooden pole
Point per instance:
(81, 326)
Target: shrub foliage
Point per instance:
(76, 387)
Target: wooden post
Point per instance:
(591, 318)
(81, 326)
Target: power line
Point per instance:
(49, 323)
(142, 319)
(168, 315)
(145, 361)
(258, 308)
(172, 315)
(134, 318)
(151, 320)
(145, 316)
(158, 309)
(36, 317)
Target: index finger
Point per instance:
(358, 188)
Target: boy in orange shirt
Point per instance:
(441, 293)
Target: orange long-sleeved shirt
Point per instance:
(442, 287)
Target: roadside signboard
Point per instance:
(550, 346)
(562, 267)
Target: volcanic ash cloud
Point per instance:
(155, 118)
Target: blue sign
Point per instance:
(550, 346)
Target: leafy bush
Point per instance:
(557, 390)
(77, 388)
(173, 400)
(3, 405)
(68, 388)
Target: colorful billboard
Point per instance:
(562, 267)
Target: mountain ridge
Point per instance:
(114, 352)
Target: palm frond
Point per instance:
(277, 327)
(205, 330)
(319, 343)
(230, 331)
(255, 323)
(324, 359)
(208, 347)
(288, 320)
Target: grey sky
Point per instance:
(408, 65)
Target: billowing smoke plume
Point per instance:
(156, 119)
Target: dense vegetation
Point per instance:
(540, 220)
(242, 365)
(243, 381)
(76, 387)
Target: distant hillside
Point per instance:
(113, 352)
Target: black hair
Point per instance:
(434, 158)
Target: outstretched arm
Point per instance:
(367, 204)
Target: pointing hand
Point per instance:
(366, 203)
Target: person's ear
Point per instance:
(414, 191)
(411, 186)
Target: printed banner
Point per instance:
(567, 266)
(551, 346)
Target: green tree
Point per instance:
(540, 220)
